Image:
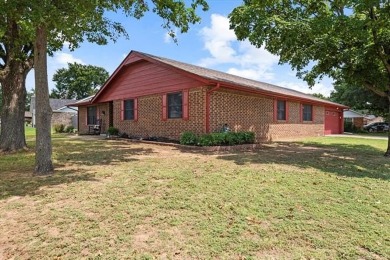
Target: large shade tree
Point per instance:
(78, 81)
(51, 23)
(16, 61)
(347, 40)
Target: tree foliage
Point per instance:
(46, 25)
(360, 98)
(347, 40)
(78, 81)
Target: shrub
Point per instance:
(206, 140)
(227, 138)
(214, 139)
(69, 129)
(59, 128)
(188, 138)
(113, 131)
(231, 138)
(219, 138)
(246, 137)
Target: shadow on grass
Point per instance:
(30, 185)
(99, 152)
(16, 175)
(341, 159)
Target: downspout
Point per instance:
(207, 119)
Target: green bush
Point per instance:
(188, 138)
(219, 138)
(59, 128)
(246, 137)
(113, 131)
(214, 139)
(69, 129)
(206, 140)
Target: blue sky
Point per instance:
(210, 44)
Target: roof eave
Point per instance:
(276, 95)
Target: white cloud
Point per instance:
(244, 59)
(255, 74)
(303, 87)
(218, 41)
(62, 58)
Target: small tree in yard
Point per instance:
(346, 40)
(51, 23)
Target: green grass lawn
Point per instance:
(30, 132)
(380, 134)
(323, 198)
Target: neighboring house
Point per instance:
(153, 96)
(356, 118)
(359, 119)
(27, 117)
(62, 114)
(369, 119)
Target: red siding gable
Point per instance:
(144, 78)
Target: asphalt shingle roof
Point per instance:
(223, 77)
(54, 103)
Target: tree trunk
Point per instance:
(387, 154)
(17, 63)
(12, 136)
(43, 152)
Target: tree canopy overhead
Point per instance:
(342, 39)
(348, 40)
(78, 81)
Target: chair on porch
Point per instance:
(96, 128)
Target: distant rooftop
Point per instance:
(54, 103)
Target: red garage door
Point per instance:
(333, 121)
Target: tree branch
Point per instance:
(28, 49)
(3, 54)
(380, 49)
(372, 87)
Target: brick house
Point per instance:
(355, 118)
(153, 96)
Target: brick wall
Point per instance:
(248, 112)
(358, 122)
(240, 110)
(150, 121)
(294, 128)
